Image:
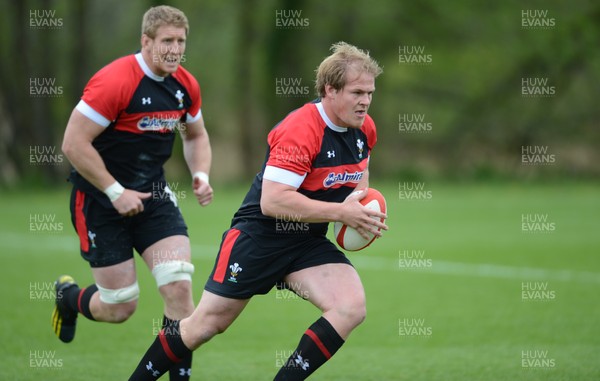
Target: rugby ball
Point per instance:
(348, 238)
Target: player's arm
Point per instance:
(77, 147)
(279, 199)
(364, 182)
(198, 156)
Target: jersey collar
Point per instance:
(328, 121)
(146, 69)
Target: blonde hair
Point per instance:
(332, 71)
(156, 17)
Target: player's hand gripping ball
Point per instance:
(348, 238)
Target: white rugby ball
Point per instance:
(348, 238)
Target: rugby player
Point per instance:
(117, 139)
(317, 156)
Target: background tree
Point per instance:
(470, 91)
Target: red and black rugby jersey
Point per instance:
(306, 150)
(141, 112)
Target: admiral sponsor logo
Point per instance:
(148, 123)
(342, 178)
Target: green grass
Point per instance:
(469, 298)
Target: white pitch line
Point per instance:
(483, 270)
(487, 270)
(40, 243)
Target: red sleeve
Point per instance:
(193, 89)
(108, 92)
(371, 131)
(295, 142)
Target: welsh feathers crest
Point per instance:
(235, 270)
(360, 144)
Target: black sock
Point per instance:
(78, 299)
(183, 369)
(166, 350)
(317, 345)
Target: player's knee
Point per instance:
(201, 334)
(211, 327)
(354, 311)
(178, 294)
(357, 314)
(221, 327)
(205, 335)
(173, 272)
(121, 312)
(177, 290)
(120, 303)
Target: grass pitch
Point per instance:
(472, 282)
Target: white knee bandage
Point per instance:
(169, 272)
(122, 295)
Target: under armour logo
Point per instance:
(146, 101)
(185, 372)
(155, 373)
(300, 361)
(330, 154)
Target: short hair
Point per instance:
(156, 17)
(332, 71)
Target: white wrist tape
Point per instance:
(203, 176)
(114, 191)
